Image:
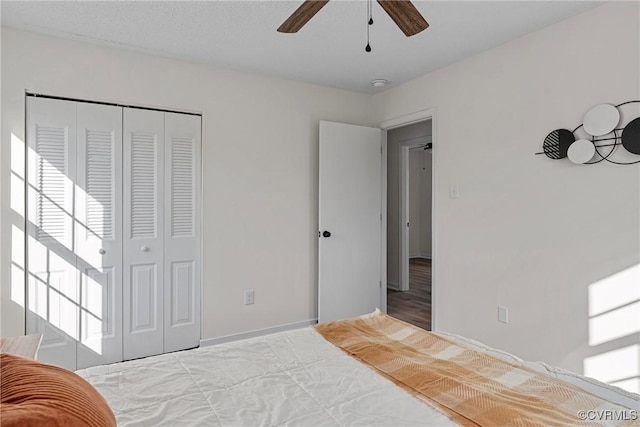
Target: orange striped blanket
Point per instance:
(472, 388)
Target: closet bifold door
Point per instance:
(98, 233)
(182, 232)
(143, 240)
(52, 295)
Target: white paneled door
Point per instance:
(113, 242)
(143, 232)
(98, 233)
(181, 232)
(350, 221)
(52, 287)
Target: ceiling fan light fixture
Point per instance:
(379, 82)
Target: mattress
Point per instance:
(289, 378)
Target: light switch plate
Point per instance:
(503, 314)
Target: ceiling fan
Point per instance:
(403, 13)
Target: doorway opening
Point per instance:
(409, 223)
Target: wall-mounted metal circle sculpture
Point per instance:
(601, 124)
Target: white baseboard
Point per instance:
(257, 333)
(394, 286)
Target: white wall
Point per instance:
(405, 135)
(260, 154)
(528, 232)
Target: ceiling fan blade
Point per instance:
(405, 15)
(301, 16)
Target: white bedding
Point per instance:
(289, 378)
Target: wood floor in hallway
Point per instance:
(414, 305)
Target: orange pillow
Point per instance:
(36, 394)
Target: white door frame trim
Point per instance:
(383, 223)
(405, 120)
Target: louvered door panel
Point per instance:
(52, 289)
(144, 182)
(143, 221)
(182, 232)
(99, 233)
(54, 212)
(100, 151)
(182, 170)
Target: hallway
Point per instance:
(414, 305)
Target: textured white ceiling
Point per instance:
(328, 51)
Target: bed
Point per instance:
(373, 370)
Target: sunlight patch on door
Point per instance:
(93, 326)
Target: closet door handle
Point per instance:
(102, 251)
(144, 248)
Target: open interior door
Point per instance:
(350, 238)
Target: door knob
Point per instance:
(102, 251)
(144, 248)
(326, 234)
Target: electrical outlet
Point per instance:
(248, 297)
(503, 314)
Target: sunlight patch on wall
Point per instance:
(614, 324)
(17, 175)
(620, 367)
(17, 247)
(615, 291)
(614, 313)
(17, 156)
(17, 265)
(614, 306)
(17, 192)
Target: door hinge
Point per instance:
(380, 284)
